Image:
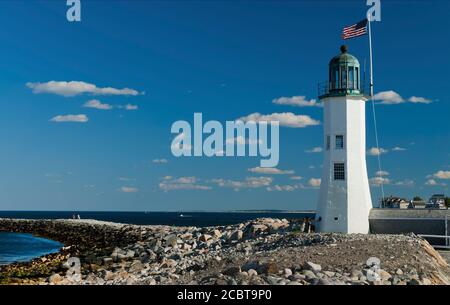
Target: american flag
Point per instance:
(355, 30)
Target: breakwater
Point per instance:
(262, 251)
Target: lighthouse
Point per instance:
(344, 200)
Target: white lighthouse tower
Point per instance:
(344, 201)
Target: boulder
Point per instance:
(205, 237)
(55, 279)
(236, 235)
(313, 267)
(268, 268)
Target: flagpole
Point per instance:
(373, 109)
(371, 58)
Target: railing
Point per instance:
(446, 236)
(328, 87)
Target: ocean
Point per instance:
(17, 247)
(198, 219)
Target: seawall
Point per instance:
(418, 221)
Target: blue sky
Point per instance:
(225, 59)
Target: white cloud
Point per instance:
(160, 161)
(131, 107)
(298, 101)
(431, 182)
(286, 119)
(270, 171)
(296, 178)
(406, 182)
(281, 188)
(377, 181)
(391, 98)
(249, 183)
(442, 175)
(375, 151)
(382, 173)
(418, 99)
(77, 118)
(314, 150)
(240, 140)
(97, 105)
(73, 88)
(398, 149)
(125, 179)
(314, 182)
(388, 97)
(128, 189)
(183, 183)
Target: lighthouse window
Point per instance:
(336, 79)
(339, 171)
(357, 78)
(351, 79)
(344, 77)
(328, 142)
(339, 142)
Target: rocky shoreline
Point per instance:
(263, 251)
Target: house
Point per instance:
(436, 201)
(418, 204)
(395, 203)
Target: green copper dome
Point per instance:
(344, 76)
(344, 59)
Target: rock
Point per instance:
(136, 266)
(205, 237)
(287, 272)
(414, 282)
(171, 240)
(236, 235)
(55, 279)
(130, 254)
(323, 282)
(309, 274)
(426, 281)
(169, 263)
(268, 268)
(329, 273)
(217, 234)
(399, 272)
(107, 260)
(250, 265)
(384, 275)
(273, 280)
(252, 272)
(313, 267)
(232, 271)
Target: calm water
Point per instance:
(199, 219)
(18, 247)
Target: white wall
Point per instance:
(347, 200)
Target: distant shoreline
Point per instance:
(181, 211)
